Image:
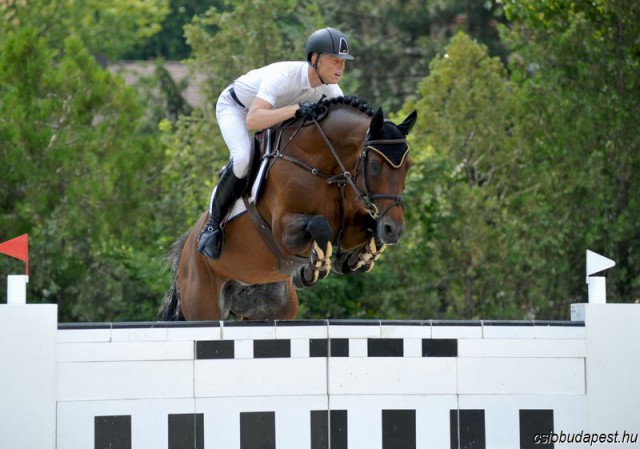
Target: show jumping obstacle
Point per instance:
(319, 384)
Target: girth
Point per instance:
(286, 264)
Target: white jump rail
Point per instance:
(319, 384)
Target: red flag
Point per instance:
(18, 248)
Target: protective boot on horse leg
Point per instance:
(319, 264)
(228, 190)
(359, 261)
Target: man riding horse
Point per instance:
(260, 99)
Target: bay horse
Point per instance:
(332, 184)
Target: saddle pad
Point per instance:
(238, 207)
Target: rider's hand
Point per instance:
(307, 111)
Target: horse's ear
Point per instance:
(377, 121)
(408, 123)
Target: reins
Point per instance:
(279, 154)
(346, 174)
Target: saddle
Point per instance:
(263, 145)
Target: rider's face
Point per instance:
(330, 68)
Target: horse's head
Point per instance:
(350, 144)
(382, 172)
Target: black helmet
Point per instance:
(330, 41)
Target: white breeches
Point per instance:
(232, 122)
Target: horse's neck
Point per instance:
(344, 121)
(343, 130)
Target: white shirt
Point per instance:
(282, 84)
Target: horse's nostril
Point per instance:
(387, 233)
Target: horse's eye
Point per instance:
(375, 167)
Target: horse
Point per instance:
(330, 199)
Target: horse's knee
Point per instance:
(301, 230)
(319, 229)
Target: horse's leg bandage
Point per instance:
(367, 256)
(320, 261)
(317, 268)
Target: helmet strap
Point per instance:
(315, 67)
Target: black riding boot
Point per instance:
(228, 191)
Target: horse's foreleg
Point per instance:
(317, 268)
(361, 261)
(316, 230)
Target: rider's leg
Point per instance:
(229, 188)
(231, 120)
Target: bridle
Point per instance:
(368, 197)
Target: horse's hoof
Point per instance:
(299, 280)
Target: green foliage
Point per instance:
(105, 29)
(577, 66)
(336, 297)
(394, 41)
(516, 172)
(78, 173)
(170, 43)
(457, 192)
(111, 30)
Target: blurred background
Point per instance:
(526, 151)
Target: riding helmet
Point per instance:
(330, 41)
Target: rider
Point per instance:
(260, 99)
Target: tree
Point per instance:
(394, 41)
(459, 190)
(576, 65)
(107, 30)
(170, 43)
(561, 173)
(77, 174)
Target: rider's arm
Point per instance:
(261, 114)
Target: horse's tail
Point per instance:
(170, 309)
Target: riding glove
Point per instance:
(307, 110)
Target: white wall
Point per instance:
(613, 367)
(27, 376)
(587, 375)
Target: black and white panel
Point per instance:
(344, 385)
(467, 430)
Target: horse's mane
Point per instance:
(325, 105)
(354, 101)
